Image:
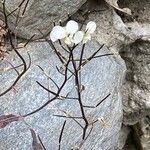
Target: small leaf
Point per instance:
(36, 143)
(114, 4)
(7, 119)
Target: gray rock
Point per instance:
(123, 137)
(145, 128)
(136, 89)
(106, 21)
(39, 15)
(101, 76)
(119, 32)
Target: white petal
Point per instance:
(52, 37)
(72, 27)
(58, 32)
(78, 37)
(91, 27)
(86, 38)
(68, 41)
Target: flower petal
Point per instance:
(72, 27)
(57, 32)
(68, 41)
(91, 27)
(52, 37)
(86, 38)
(78, 37)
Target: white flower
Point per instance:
(64, 33)
(90, 28)
(87, 37)
(57, 33)
(68, 40)
(78, 37)
(72, 27)
(84, 36)
(70, 34)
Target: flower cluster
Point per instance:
(71, 34)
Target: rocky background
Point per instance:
(124, 27)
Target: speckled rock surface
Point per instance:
(136, 90)
(129, 35)
(145, 128)
(39, 15)
(123, 137)
(100, 76)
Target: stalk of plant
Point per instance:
(72, 36)
(14, 48)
